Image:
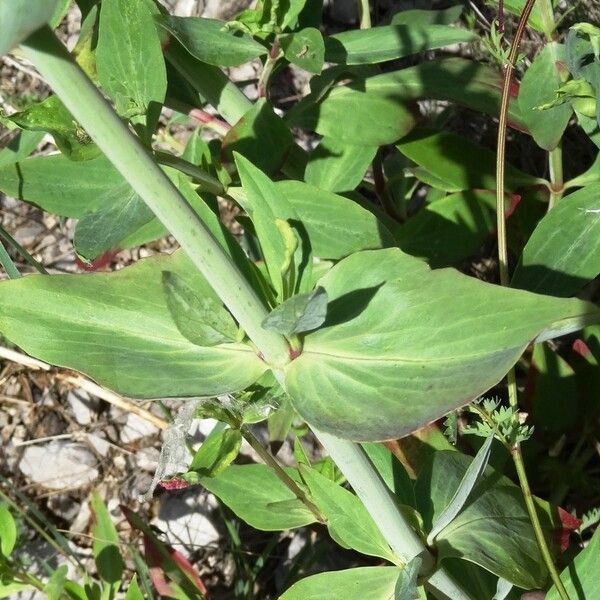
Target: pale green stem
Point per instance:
(555, 163)
(364, 14)
(504, 280)
(131, 158)
(128, 155)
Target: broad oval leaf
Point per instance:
(19, 18)
(8, 531)
(366, 583)
(117, 328)
(545, 75)
(420, 18)
(563, 253)
(493, 530)
(403, 345)
(305, 49)
(302, 312)
(389, 42)
(209, 41)
(129, 57)
(20, 147)
(253, 493)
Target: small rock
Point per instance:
(98, 443)
(185, 518)
(147, 459)
(136, 428)
(83, 407)
(82, 520)
(58, 465)
(26, 235)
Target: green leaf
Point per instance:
(55, 586)
(261, 137)
(338, 167)
(8, 532)
(20, 147)
(463, 491)
(61, 186)
(462, 164)
(545, 75)
(352, 112)
(421, 18)
(133, 590)
(366, 583)
(515, 7)
(335, 225)
(348, 521)
(211, 42)
(390, 42)
(216, 453)
(493, 530)
(9, 590)
(581, 578)
(563, 253)
(104, 229)
(117, 328)
(20, 18)
(107, 556)
(252, 493)
(129, 60)
(402, 346)
(407, 587)
(448, 230)
(305, 49)
(51, 115)
(300, 313)
(201, 319)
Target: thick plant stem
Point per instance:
(131, 158)
(128, 155)
(378, 500)
(504, 280)
(555, 163)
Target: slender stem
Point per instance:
(130, 157)
(555, 163)
(10, 240)
(504, 280)
(207, 182)
(271, 461)
(364, 14)
(8, 264)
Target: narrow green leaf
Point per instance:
(133, 590)
(9, 590)
(305, 49)
(107, 556)
(55, 586)
(366, 583)
(545, 75)
(211, 42)
(8, 532)
(338, 167)
(493, 530)
(300, 313)
(51, 116)
(261, 137)
(20, 18)
(129, 58)
(348, 521)
(401, 347)
(421, 18)
(252, 491)
(117, 328)
(463, 491)
(563, 253)
(582, 578)
(462, 164)
(360, 104)
(201, 319)
(390, 42)
(216, 453)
